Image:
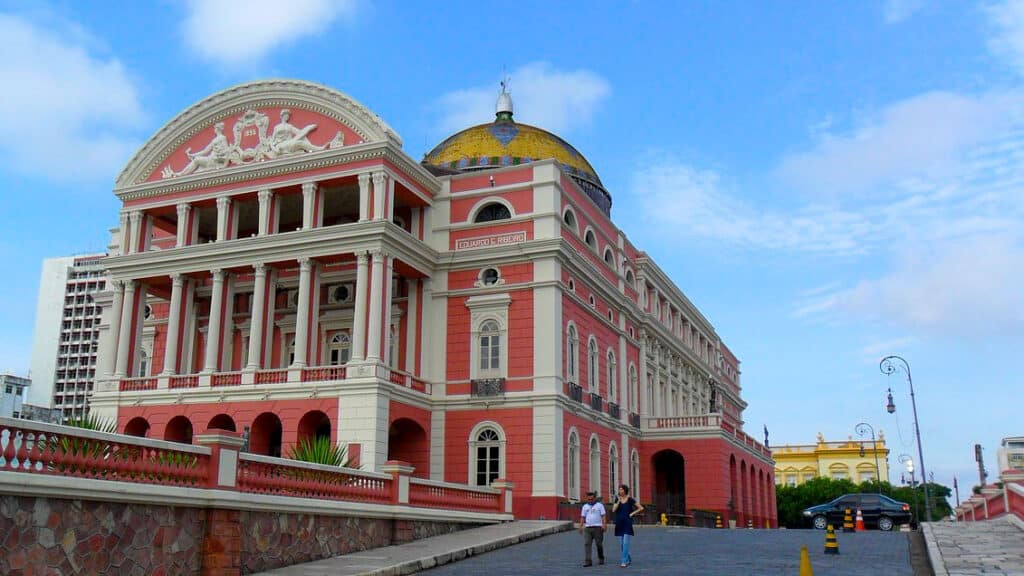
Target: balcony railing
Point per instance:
(406, 380)
(322, 374)
(191, 381)
(136, 384)
(488, 387)
(226, 379)
(613, 410)
(271, 376)
(700, 421)
(596, 401)
(576, 392)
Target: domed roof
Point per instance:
(508, 143)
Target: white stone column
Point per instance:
(124, 336)
(302, 314)
(376, 301)
(359, 318)
(364, 197)
(259, 316)
(109, 356)
(223, 211)
(380, 181)
(265, 198)
(308, 205)
(184, 215)
(412, 326)
(135, 232)
(389, 267)
(211, 362)
(173, 325)
(123, 233)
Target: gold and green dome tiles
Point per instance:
(507, 143)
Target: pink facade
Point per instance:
(291, 276)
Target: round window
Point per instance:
(489, 277)
(341, 294)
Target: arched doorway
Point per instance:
(137, 426)
(670, 482)
(733, 496)
(265, 435)
(179, 429)
(222, 422)
(407, 441)
(314, 424)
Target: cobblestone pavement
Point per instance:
(976, 548)
(696, 551)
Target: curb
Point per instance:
(934, 554)
(432, 561)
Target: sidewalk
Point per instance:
(975, 548)
(425, 553)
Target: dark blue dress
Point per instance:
(623, 521)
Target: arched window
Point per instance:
(613, 392)
(609, 257)
(340, 349)
(630, 279)
(634, 389)
(573, 456)
(613, 468)
(593, 366)
(572, 345)
(595, 465)
(490, 348)
(491, 212)
(634, 474)
(486, 449)
(143, 363)
(590, 239)
(570, 219)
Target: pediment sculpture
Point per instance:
(252, 144)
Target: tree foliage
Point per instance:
(791, 500)
(320, 450)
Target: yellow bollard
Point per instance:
(767, 524)
(664, 519)
(718, 520)
(848, 521)
(805, 563)
(831, 544)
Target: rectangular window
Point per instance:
(790, 479)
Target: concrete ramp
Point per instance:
(426, 553)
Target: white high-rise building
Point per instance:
(66, 333)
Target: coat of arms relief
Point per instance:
(252, 144)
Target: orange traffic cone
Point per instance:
(805, 563)
(860, 521)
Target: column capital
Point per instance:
(117, 284)
(361, 257)
(364, 179)
(265, 195)
(218, 274)
(183, 208)
(378, 254)
(135, 216)
(379, 178)
(260, 269)
(223, 202)
(305, 264)
(130, 285)
(177, 279)
(308, 188)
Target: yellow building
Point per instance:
(848, 459)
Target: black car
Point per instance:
(878, 511)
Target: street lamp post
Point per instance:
(863, 429)
(887, 366)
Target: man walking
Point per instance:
(593, 521)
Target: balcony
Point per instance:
(613, 410)
(596, 401)
(488, 387)
(634, 420)
(684, 422)
(576, 392)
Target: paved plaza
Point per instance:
(976, 548)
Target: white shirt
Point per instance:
(592, 514)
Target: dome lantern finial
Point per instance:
(503, 110)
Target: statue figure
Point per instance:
(821, 438)
(286, 139)
(217, 154)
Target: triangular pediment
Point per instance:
(254, 123)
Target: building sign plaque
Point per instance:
(490, 241)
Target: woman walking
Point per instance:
(625, 508)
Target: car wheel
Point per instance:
(884, 523)
(820, 522)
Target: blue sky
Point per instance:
(828, 182)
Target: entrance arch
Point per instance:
(265, 435)
(179, 429)
(314, 424)
(137, 426)
(407, 441)
(222, 422)
(670, 482)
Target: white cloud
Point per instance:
(67, 113)
(1008, 42)
(693, 202)
(960, 289)
(236, 31)
(899, 10)
(552, 99)
(923, 138)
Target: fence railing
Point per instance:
(226, 379)
(280, 477)
(432, 494)
(137, 384)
